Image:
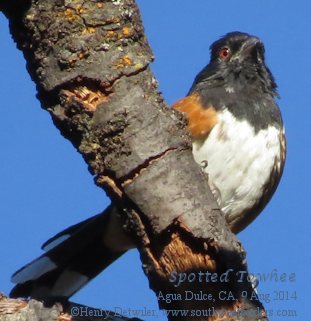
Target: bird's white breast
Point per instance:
(239, 161)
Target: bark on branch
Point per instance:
(90, 61)
(18, 310)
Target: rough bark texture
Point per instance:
(18, 310)
(90, 61)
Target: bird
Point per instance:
(236, 127)
(238, 139)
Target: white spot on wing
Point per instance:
(34, 270)
(229, 89)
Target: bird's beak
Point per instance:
(247, 47)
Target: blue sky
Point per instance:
(45, 185)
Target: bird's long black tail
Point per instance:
(73, 257)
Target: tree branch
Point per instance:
(90, 61)
(18, 310)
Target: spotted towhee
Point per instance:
(236, 127)
(238, 139)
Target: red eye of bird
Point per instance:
(224, 53)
